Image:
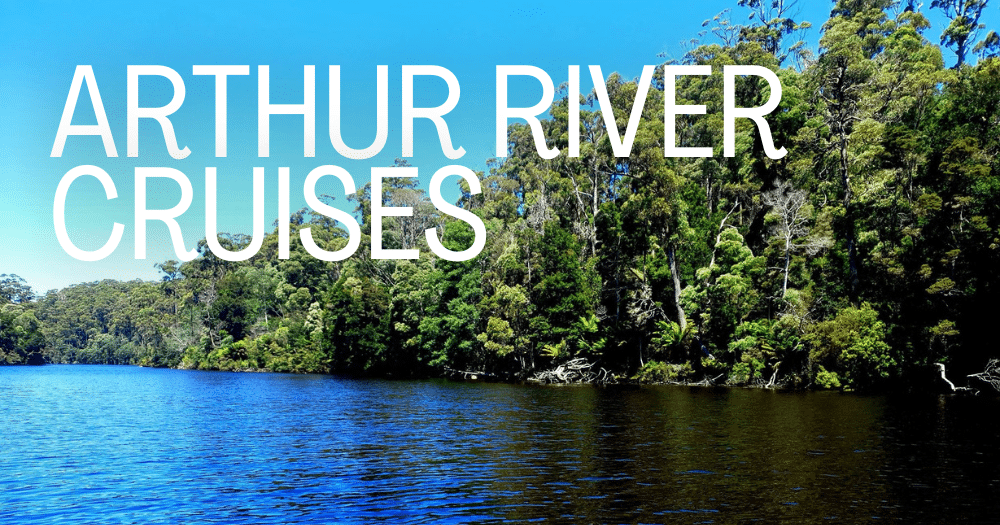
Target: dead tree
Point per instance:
(989, 375)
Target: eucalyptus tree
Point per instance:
(871, 73)
(772, 22)
(14, 289)
(964, 28)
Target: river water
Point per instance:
(105, 444)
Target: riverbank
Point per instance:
(976, 384)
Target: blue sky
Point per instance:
(43, 43)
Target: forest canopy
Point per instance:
(862, 257)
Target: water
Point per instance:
(102, 444)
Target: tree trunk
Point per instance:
(845, 178)
(681, 318)
(788, 262)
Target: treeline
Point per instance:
(21, 339)
(863, 256)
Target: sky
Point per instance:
(44, 42)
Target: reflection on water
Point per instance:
(120, 444)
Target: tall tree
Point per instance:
(14, 289)
(773, 23)
(963, 28)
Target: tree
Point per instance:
(726, 292)
(872, 74)
(774, 24)
(14, 289)
(964, 27)
(562, 292)
(792, 215)
(21, 340)
(854, 343)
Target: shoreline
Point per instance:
(906, 388)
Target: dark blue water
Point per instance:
(98, 444)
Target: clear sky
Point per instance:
(43, 43)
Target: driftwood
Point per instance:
(774, 376)
(467, 374)
(990, 375)
(573, 371)
(708, 381)
(940, 367)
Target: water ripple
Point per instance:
(102, 445)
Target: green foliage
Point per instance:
(669, 338)
(14, 289)
(661, 372)
(725, 294)
(555, 351)
(870, 250)
(586, 333)
(746, 372)
(827, 379)
(21, 340)
(964, 27)
(561, 293)
(764, 344)
(854, 343)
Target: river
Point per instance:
(108, 444)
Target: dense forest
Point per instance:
(858, 260)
